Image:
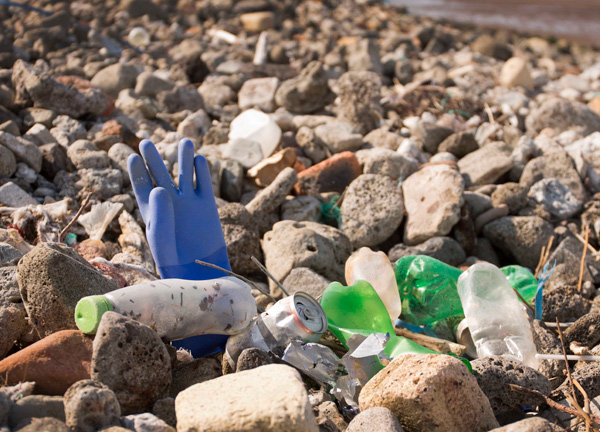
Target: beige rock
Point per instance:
(268, 398)
(486, 165)
(430, 392)
(515, 72)
(433, 197)
(266, 170)
(258, 21)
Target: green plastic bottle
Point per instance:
(428, 289)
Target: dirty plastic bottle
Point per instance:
(375, 268)
(257, 126)
(176, 308)
(497, 320)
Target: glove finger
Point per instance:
(160, 229)
(203, 180)
(186, 166)
(141, 182)
(156, 166)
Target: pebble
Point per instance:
(459, 144)
(258, 93)
(36, 406)
(24, 150)
(513, 195)
(555, 198)
(561, 115)
(186, 374)
(357, 100)
(268, 169)
(486, 165)
(46, 424)
(386, 162)
(372, 209)
(8, 162)
(229, 403)
(306, 93)
(257, 21)
(90, 405)
(339, 136)
(146, 422)
(535, 424)
(431, 135)
(444, 249)
(12, 195)
(241, 237)
(84, 154)
(376, 418)
(441, 201)
(430, 392)
(301, 208)
(132, 361)
(383, 138)
(306, 280)
(252, 358)
(114, 78)
(516, 72)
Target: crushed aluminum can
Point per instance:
(298, 316)
(315, 360)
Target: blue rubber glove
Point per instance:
(182, 224)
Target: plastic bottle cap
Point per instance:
(89, 311)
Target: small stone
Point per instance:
(84, 154)
(193, 372)
(430, 392)
(229, 403)
(8, 162)
(435, 191)
(9, 256)
(32, 116)
(131, 360)
(46, 424)
(459, 144)
(486, 165)
(329, 418)
(534, 424)
(546, 342)
(444, 249)
(146, 422)
(90, 405)
(489, 46)
(512, 195)
(339, 136)
(164, 409)
(555, 198)
(431, 135)
(24, 150)
(114, 78)
(291, 244)
(54, 363)
(387, 162)
(104, 183)
(495, 375)
(358, 100)
(257, 21)
(564, 303)
(305, 280)
(378, 419)
(562, 115)
(12, 195)
(588, 376)
(364, 56)
(516, 73)
(251, 358)
(301, 208)
(310, 145)
(372, 209)
(243, 150)
(13, 324)
(181, 98)
(520, 236)
(39, 134)
(150, 84)
(268, 169)
(52, 279)
(332, 175)
(306, 93)
(232, 180)
(216, 95)
(54, 160)
(383, 138)
(586, 331)
(258, 93)
(36, 406)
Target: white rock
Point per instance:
(258, 93)
(515, 72)
(555, 197)
(12, 195)
(246, 151)
(40, 135)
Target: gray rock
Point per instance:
(568, 260)
(25, 173)
(24, 150)
(8, 162)
(586, 331)
(258, 93)
(193, 372)
(232, 180)
(387, 162)
(445, 249)
(251, 358)
(36, 406)
(215, 94)
(301, 208)
(39, 134)
(32, 116)
(435, 192)
(241, 238)
(364, 56)
(513, 195)
(486, 165)
(145, 422)
(358, 100)
(4, 408)
(495, 374)
(383, 138)
(556, 198)
(588, 376)
(12, 195)
(46, 424)
(372, 209)
(306, 93)
(375, 419)
(9, 287)
(114, 78)
(104, 183)
(131, 360)
(535, 424)
(329, 417)
(319, 247)
(164, 409)
(34, 85)
(13, 324)
(477, 202)
(561, 115)
(229, 403)
(52, 279)
(54, 160)
(149, 84)
(67, 130)
(431, 135)
(306, 280)
(459, 144)
(118, 154)
(486, 252)
(546, 342)
(181, 98)
(520, 236)
(564, 303)
(84, 154)
(311, 146)
(9, 256)
(339, 136)
(90, 405)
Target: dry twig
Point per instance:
(84, 204)
(582, 264)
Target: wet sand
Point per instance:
(573, 19)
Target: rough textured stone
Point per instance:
(8, 162)
(387, 162)
(486, 165)
(193, 372)
(35, 406)
(431, 135)
(131, 360)
(383, 138)
(375, 419)
(13, 324)
(565, 303)
(90, 405)
(588, 376)
(546, 342)
(104, 183)
(430, 392)
(258, 93)
(459, 144)
(520, 236)
(306, 280)
(445, 249)
(332, 175)
(52, 279)
(338, 136)
(164, 409)
(306, 93)
(305, 244)
(146, 422)
(358, 94)
(535, 424)
(54, 160)
(513, 195)
(114, 78)
(12, 195)
(54, 363)
(372, 209)
(586, 331)
(556, 165)
(251, 358)
(229, 403)
(561, 115)
(433, 197)
(241, 238)
(329, 418)
(84, 154)
(302, 208)
(46, 424)
(555, 198)
(24, 150)
(495, 374)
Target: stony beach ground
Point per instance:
(362, 126)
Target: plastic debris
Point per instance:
(138, 37)
(316, 360)
(100, 216)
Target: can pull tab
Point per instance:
(309, 313)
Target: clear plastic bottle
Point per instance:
(496, 319)
(176, 308)
(375, 268)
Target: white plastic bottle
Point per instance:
(375, 268)
(497, 320)
(257, 126)
(176, 308)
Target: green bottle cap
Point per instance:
(89, 311)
